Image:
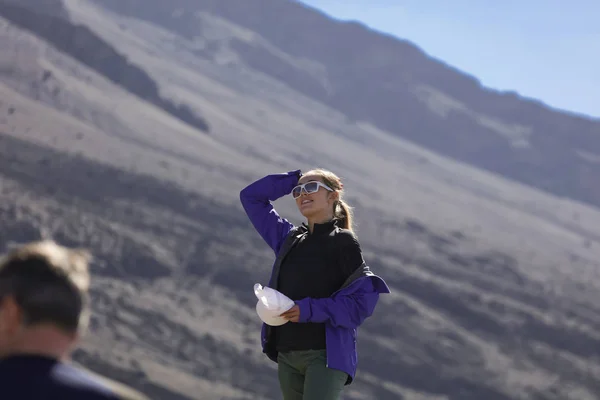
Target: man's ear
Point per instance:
(10, 314)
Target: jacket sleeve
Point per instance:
(256, 200)
(347, 310)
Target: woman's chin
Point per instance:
(307, 212)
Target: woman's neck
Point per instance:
(318, 220)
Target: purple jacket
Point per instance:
(345, 310)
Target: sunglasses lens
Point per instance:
(297, 191)
(312, 187)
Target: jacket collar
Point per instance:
(323, 228)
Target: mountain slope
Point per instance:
(93, 52)
(495, 285)
(54, 8)
(392, 84)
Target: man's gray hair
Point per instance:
(50, 283)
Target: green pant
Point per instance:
(303, 375)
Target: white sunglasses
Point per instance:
(309, 187)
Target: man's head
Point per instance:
(43, 298)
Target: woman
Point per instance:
(320, 266)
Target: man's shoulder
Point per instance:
(29, 376)
(103, 384)
(70, 378)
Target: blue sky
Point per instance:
(544, 49)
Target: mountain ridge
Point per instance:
(498, 90)
(498, 131)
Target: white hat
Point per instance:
(270, 304)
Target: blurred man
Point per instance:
(43, 311)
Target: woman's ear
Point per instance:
(334, 196)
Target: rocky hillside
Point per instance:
(83, 45)
(393, 85)
(495, 284)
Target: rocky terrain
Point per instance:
(495, 283)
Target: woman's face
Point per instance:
(316, 205)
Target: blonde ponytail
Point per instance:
(343, 212)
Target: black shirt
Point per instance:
(34, 377)
(315, 267)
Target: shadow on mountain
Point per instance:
(106, 192)
(85, 46)
(53, 8)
